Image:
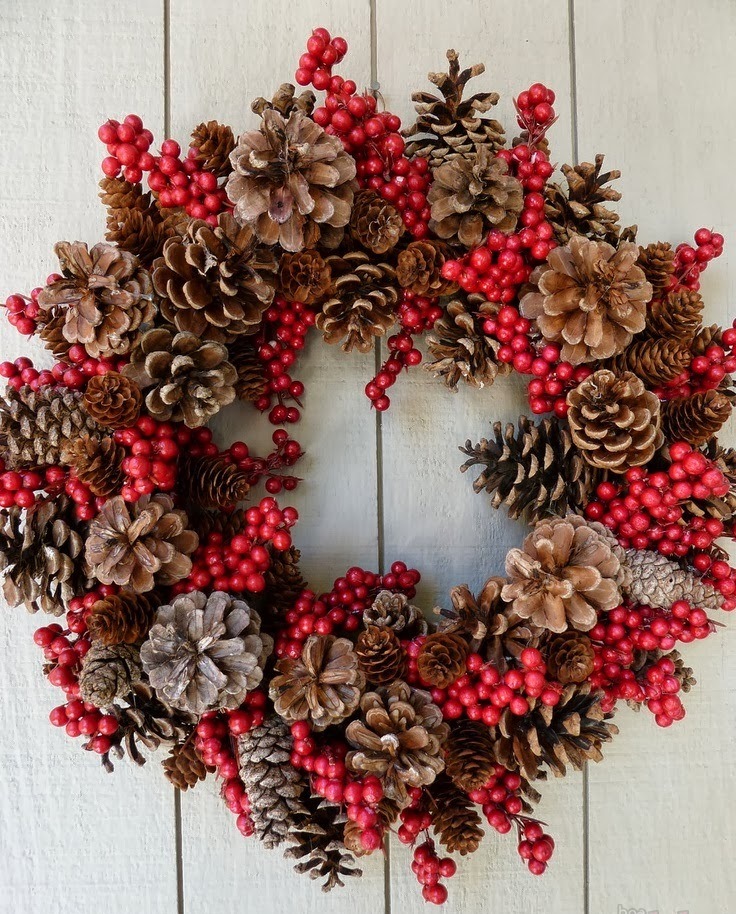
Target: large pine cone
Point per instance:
(614, 420)
(469, 758)
(374, 223)
(419, 268)
(205, 652)
(113, 400)
(393, 610)
(37, 425)
(190, 379)
(380, 655)
(362, 304)
(581, 209)
(472, 195)
(108, 672)
(291, 182)
(535, 471)
(216, 282)
(658, 582)
(105, 297)
(98, 463)
(451, 126)
(140, 545)
(591, 298)
(454, 817)
(696, 419)
(569, 657)
(399, 739)
(461, 351)
(305, 277)
(317, 842)
(214, 142)
(441, 659)
(274, 787)
(323, 686)
(42, 556)
(123, 618)
(566, 572)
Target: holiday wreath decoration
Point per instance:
(184, 619)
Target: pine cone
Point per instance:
(285, 101)
(323, 686)
(471, 616)
(380, 655)
(591, 298)
(399, 739)
(52, 334)
(42, 557)
(362, 303)
(374, 223)
(723, 508)
(211, 482)
(565, 574)
(683, 674)
(317, 842)
(305, 277)
(117, 194)
(393, 610)
(697, 418)
(571, 733)
(441, 659)
(454, 818)
(184, 768)
(273, 786)
(284, 581)
(141, 234)
(140, 545)
(104, 295)
(216, 282)
(469, 759)
(449, 127)
(461, 351)
(37, 425)
(654, 361)
(190, 379)
(251, 382)
(677, 316)
(205, 652)
(580, 210)
(214, 142)
(419, 268)
(218, 522)
(705, 337)
(108, 672)
(113, 400)
(124, 618)
(472, 195)
(658, 582)
(291, 182)
(658, 262)
(614, 420)
(534, 472)
(569, 657)
(147, 721)
(98, 463)
(507, 637)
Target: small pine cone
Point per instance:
(305, 276)
(113, 400)
(380, 655)
(695, 419)
(285, 101)
(139, 232)
(317, 842)
(284, 581)
(683, 674)
(469, 759)
(570, 657)
(706, 336)
(442, 659)
(52, 334)
(654, 361)
(211, 482)
(98, 463)
(374, 223)
(123, 618)
(393, 610)
(580, 209)
(419, 268)
(109, 672)
(658, 262)
(251, 381)
(184, 768)
(677, 316)
(387, 812)
(214, 142)
(219, 522)
(454, 817)
(658, 582)
(119, 194)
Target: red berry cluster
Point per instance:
(19, 487)
(330, 779)
(82, 363)
(152, 450)
(429, 868)
(285, 326)
(315, 65)
(705, 372)
(238, 565)
(127, 144)
(625, 629)
(535, 113)
(286, 454)
(483, 693)
(341, 609)
(214, 742)
(417, 314)
(535, 846)
(23, 312)
(691, 261)
(21, 373)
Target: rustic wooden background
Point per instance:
(651, 829)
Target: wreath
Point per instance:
(184, 619)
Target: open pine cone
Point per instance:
(113, 400)
(374, 223)
(98, 463)
(592, 298)
(393, 610)
(305, 276)
(205, 652)
(109, 672)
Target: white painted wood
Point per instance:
(653, 94)
(433, 520)
(71, 836)
(250, 49)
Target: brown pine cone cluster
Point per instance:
(455, 819)
(658, 262)
(469, 759)
(109, 672)
(696, 419)
(655, 361)
(250, 379)
(393, 610)
(676, 316)
(284, 580)
(214, 142)
(98, 463)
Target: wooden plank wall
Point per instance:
(651, 829)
